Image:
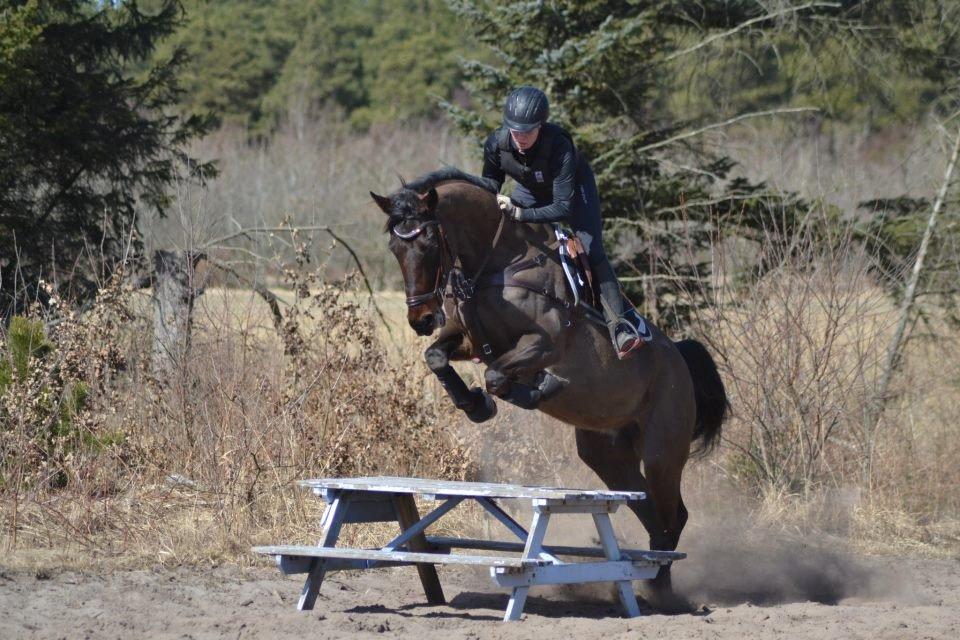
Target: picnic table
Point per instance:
(521, 565)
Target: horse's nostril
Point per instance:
(423, 325)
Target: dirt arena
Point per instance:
(815, 595)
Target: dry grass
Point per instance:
(202, 464)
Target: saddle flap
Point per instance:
(576, 266)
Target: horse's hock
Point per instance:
(384, 499)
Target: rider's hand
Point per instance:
(507, 208)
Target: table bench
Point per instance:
(387, 499)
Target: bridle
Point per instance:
(421, 299)
(464, 287)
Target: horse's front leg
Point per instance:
(476, 403)
(526, 361)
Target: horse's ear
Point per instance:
(429, 199)
(383, 202)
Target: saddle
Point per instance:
(576, 268)
(583, 287)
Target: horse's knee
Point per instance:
(497, 383)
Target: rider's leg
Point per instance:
(586, 222)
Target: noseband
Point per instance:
(437, 293)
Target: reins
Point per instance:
(462, 288)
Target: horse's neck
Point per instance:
(472, 240)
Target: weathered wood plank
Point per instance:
(405, 557)
(330, 524)
(444, 488)
(661, 557)
(572, 573)
(292, 565)
(408, 517)
(611, 548)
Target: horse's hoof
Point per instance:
(484, 408)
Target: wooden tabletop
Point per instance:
(420, 486)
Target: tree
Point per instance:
(375, 60)
(83, 137)
(613, 71)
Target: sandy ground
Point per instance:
(836, 597)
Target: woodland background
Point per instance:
(199, 308)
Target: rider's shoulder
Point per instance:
(559, 140)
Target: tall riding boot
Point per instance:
(623, 330)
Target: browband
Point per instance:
(413, 233)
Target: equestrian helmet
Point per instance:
(526, 109)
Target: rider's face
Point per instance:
(526, 139)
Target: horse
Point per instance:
(495, 290)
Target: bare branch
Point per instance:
(265, 293)
(909, 297)
(751, 22)
(249, 230)
(725, 123)
(287, 229)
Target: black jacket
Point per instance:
(546, 173)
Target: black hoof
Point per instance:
(484, 407)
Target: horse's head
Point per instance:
(416, 241)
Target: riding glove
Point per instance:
(509, 209)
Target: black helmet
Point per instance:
(526, 109)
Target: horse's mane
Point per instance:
(405, 204)
(430, 180)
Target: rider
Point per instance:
(556, 184)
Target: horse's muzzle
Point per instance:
(424, 325)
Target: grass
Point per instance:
(242, 420)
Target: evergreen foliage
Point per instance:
(27, 370)
(617, 73)
(376, 60)
(83, 139)
(603, 65)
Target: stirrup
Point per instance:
(626, 340)
(639, 324)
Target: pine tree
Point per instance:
(84, 138)
(609, 68)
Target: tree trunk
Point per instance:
(174, 292)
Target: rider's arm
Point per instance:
(564, 183)
(492, 172)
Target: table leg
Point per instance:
(531, 550)
(407, 516)
(330, 526)
(610, 547)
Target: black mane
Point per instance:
(428, 181)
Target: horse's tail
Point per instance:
(711, 396)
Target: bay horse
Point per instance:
(495, 290)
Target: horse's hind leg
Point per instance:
(664, 447)
(614, 457)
